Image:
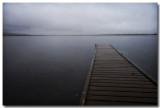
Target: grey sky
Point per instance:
(87, 18)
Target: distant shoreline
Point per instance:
(11, 34)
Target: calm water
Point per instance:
(46, 70)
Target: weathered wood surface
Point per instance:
(113, 80)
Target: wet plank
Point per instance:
(122, 99)
(123, 94)
(121, 89)
(99, 103)
(120, 85)
(121, 82)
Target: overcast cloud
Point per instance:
(102, 18)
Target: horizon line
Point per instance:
(19, 34)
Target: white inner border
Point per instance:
(64, 1)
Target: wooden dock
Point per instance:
(115, 80)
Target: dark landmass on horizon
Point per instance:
(14, 34)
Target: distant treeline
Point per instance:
(14, 34)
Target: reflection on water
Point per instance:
(46, 70)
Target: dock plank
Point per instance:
(142, 90)
(99, 103)
(122, 99)
(127, 94)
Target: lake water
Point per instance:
(51, 70)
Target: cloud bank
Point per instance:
(80, 18)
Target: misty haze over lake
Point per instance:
(52, 70)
